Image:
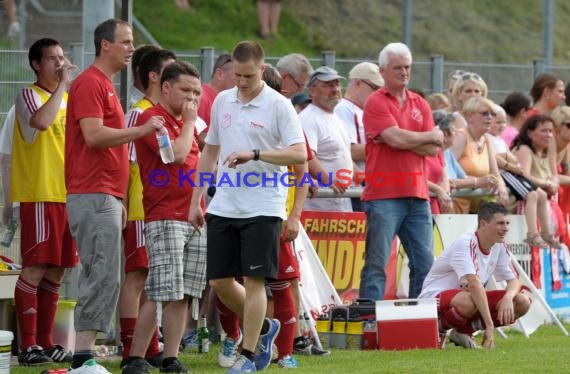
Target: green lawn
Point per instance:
(544, 352)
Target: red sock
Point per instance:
(451, 318)
(228, 319)
(153, 349)
(284, 311)
(26, 300)
(48, 296)
(127, 331)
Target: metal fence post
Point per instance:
(436, 73)
(207, 63)
(328, 58)
(538, 67)
(77, 51)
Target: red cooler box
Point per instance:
(407, 324)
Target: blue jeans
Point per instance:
(410, 219)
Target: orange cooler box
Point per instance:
(407, 324)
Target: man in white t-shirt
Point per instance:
(327, 137)
(363, 79)
(6, 135)
(254, 132)
(458, 278)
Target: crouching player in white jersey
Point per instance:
(458, 278)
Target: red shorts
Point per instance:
(45, 236)
(135, 251)
(288, 264)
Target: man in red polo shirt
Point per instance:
(400, 133)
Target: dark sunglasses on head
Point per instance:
(567, 124)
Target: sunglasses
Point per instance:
(567, 124)
(223, 62)
(457, 74)
(487, 113)
(471, 76)
(370, 84)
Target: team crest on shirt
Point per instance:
(416, 114)
(226, 121)
(256, 125)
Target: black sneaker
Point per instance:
(34, 355)
(58, 354)
(174, 367)
(136, 366)
(155, 361)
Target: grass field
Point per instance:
(544, 352)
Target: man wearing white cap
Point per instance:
(328, 140)
(363, 79)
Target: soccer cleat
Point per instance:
(242, 365)
(136, 366)
(174, 367)
(264, 348)
(34, 355)
(288, 362)
(58, 354)
(89, 367)
(462, 340)
(228, 354)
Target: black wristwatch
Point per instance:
(256, 155)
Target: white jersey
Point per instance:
(327, 137)
(268, 122)
(464, 257)
(351, 114)
(7, 132)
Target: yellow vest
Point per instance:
(135, 191)
(290, 202)
(37, 167)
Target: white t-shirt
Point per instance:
(7, 132)
(351, 114)
(327, 137)
(463, 257)
(268, 122)
(499, 144)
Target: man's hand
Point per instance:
(489, 337)
(290, 229)
(123, 216)
(190, 111)
(154, 123)
(436, 136)
(196, 217)
(64, 73)
(237, 158)
(506, 311)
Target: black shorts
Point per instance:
(243, 246)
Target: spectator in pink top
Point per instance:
(516, 105)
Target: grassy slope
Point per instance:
(468, 30)
(543, 352)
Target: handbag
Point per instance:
(519, 185)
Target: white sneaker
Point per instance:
(462, 340)
(228, 354)
(89, 367)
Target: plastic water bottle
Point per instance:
(11, 228)
(203, 336)
(165, 146)
(370, 337)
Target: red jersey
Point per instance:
(170, 201)
(393, 173)
(89, 169)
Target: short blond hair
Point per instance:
(560, 115)
(438, 101)
(475, 103)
